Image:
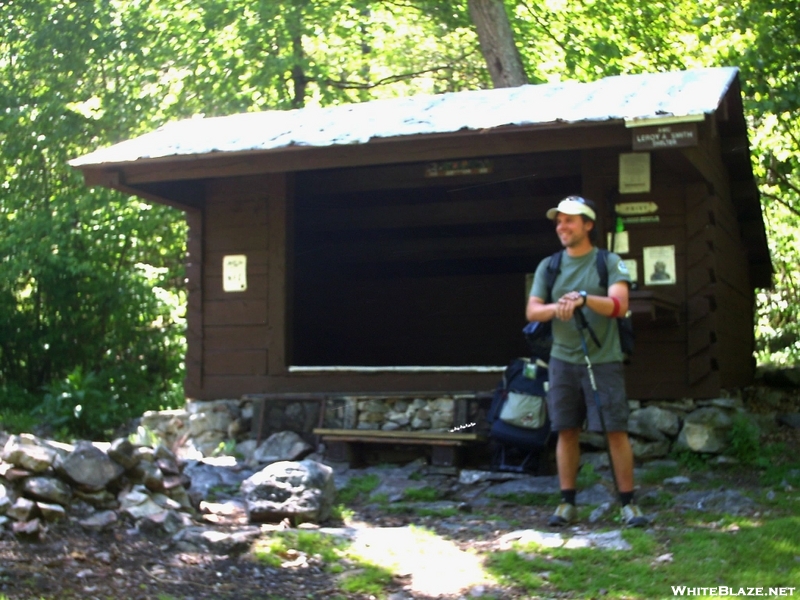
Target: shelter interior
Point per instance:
(396, 267)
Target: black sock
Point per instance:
(568, 496)
(625, 498)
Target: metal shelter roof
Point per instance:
(632, 98)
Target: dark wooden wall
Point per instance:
(237, 338)
(719, 296)
(707, 343)
(383, 266)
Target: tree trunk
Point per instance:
(497, 43)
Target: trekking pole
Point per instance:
(581, 323)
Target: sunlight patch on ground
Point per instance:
(435, 565)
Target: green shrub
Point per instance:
(15, 409)
(743, 440)
(689, 459)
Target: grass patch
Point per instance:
(424, 494)
(660, 499)
(358, 488)
(691, 461)
(358, 575)
(442, 513)
(530, 499)
(657, 474)
(776, 470)
(587, 476)
(736, 552)
(743, 440)
(18, 422)
(368, 579)
(286, 546)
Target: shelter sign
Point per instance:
(678, 135)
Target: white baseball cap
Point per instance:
(572, 205)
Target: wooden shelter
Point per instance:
(385, 246)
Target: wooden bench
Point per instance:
(343, 444)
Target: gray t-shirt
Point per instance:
(580, 273)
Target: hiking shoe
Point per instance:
(564, 515)
(632, 516)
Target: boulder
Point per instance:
(124, 453)
(654, 423)
(90, 467)
(164, 523)
(100, 520)
(648, 450)
(706, 430)
(282, 446)
(300, 491)
(27, 453)
(22, 510)
(47, 489)
(206, 475)
(51, 512)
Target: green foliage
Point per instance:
(653, 475)
(15, 413)
(273, 549)
(226, 448)
(369, 579)
(366, 579)
(358, 488)
(743, 439)
(425, 494)
(441, 513)
(735, 552)
(588, 476)
(692, 461)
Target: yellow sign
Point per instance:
(234, 273)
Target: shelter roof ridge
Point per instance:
(620, 97)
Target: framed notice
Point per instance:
(633, 269)
(621, 243)
(659, 265)
(634, 173)
(234, 273)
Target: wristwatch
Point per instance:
(583, 295)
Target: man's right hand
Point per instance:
(566, 305)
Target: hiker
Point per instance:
(572, 390)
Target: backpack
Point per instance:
(519, 398)
(540, 334)
(517, 417)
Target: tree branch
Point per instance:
(780, 200)
(366, 85)
(546, 30)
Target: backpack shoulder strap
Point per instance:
(553, 269)
(602, 266)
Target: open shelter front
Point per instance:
(386, 247)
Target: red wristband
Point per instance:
(615, 312)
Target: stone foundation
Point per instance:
(205, 429)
